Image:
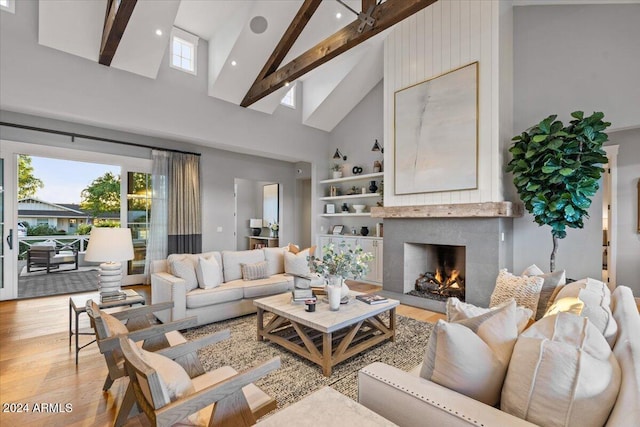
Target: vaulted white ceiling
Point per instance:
(329, 92)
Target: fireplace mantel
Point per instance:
(459, 210)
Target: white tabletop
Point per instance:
(325, 407)
(323, 319)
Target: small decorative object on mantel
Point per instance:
(336, 265)
(364, 231)
(357, 170)
(345, 207)
(373, 187)
(377, 167)
(359, 208)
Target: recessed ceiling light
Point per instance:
(158, 32)
(338, 15)
(234, 63)
(286, 84)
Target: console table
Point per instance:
(263, 242)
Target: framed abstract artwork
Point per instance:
(436, 133)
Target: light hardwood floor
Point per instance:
(37, 365)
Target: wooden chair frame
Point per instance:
(231, 407)
(141, 329)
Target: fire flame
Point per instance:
(448, 281)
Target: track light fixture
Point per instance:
(338, 155)
(377, 147)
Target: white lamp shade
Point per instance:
(109, 245)
(255, 223)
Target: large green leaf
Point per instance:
(539, 138)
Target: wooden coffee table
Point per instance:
(325, 337)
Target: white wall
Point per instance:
(445, 36)
(628, 259)
(577, 57)
(218, 170)
(569, 58)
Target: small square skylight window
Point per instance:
(184, 49)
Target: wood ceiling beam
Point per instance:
(386, 15)
(115, 22)
(290, 36)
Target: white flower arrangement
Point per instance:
(342, 261)
(273, 226)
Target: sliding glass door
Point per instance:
(8, 227)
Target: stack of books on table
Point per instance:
(299, 296)
(372, 299)
(112, 296)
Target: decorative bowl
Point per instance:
(359, 208)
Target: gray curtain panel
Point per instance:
(185, 219)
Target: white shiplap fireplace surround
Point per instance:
(442, 37)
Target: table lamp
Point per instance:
(109, 246)
(256, 226)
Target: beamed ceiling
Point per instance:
(337, 60)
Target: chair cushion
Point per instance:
(596, 297)
(184, 268)
(232, 260)
(174, 380)
(562, 373)
(298, 264)
(553, 282)
(208, 272)
(471, 356)
(525, 290)
(254, 271)
(458, 310)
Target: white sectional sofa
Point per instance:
(407, 399)
(231, 298)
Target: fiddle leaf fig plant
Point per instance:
(556, 169)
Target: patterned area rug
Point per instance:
(298, 377)
(43, 284)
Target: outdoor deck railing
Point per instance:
(76, 241)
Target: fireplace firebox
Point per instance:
(436, 271)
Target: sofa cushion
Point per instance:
(184, 268)
(276, 284)
(298, 264)
(205, 297)
(275, 260)
(553, 282)
(232, 260)
(471, 356)
(208, 272)
(562, 373)
(626, 410)
(254, 271)
(596, 297)
(457, 310)
(525, 290)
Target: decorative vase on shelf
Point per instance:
(364, 231)
(274, 233)
(373, 187)
(337, 174)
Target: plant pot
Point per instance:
(337, 174)
(336, 291)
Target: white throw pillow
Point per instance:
(457, 310)
(562, 373)
(275, 260)
(182, 267)
(472, 356)
(525, 290)
(553, 282)
(209, 273)
(298, 264)
(596, 297)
